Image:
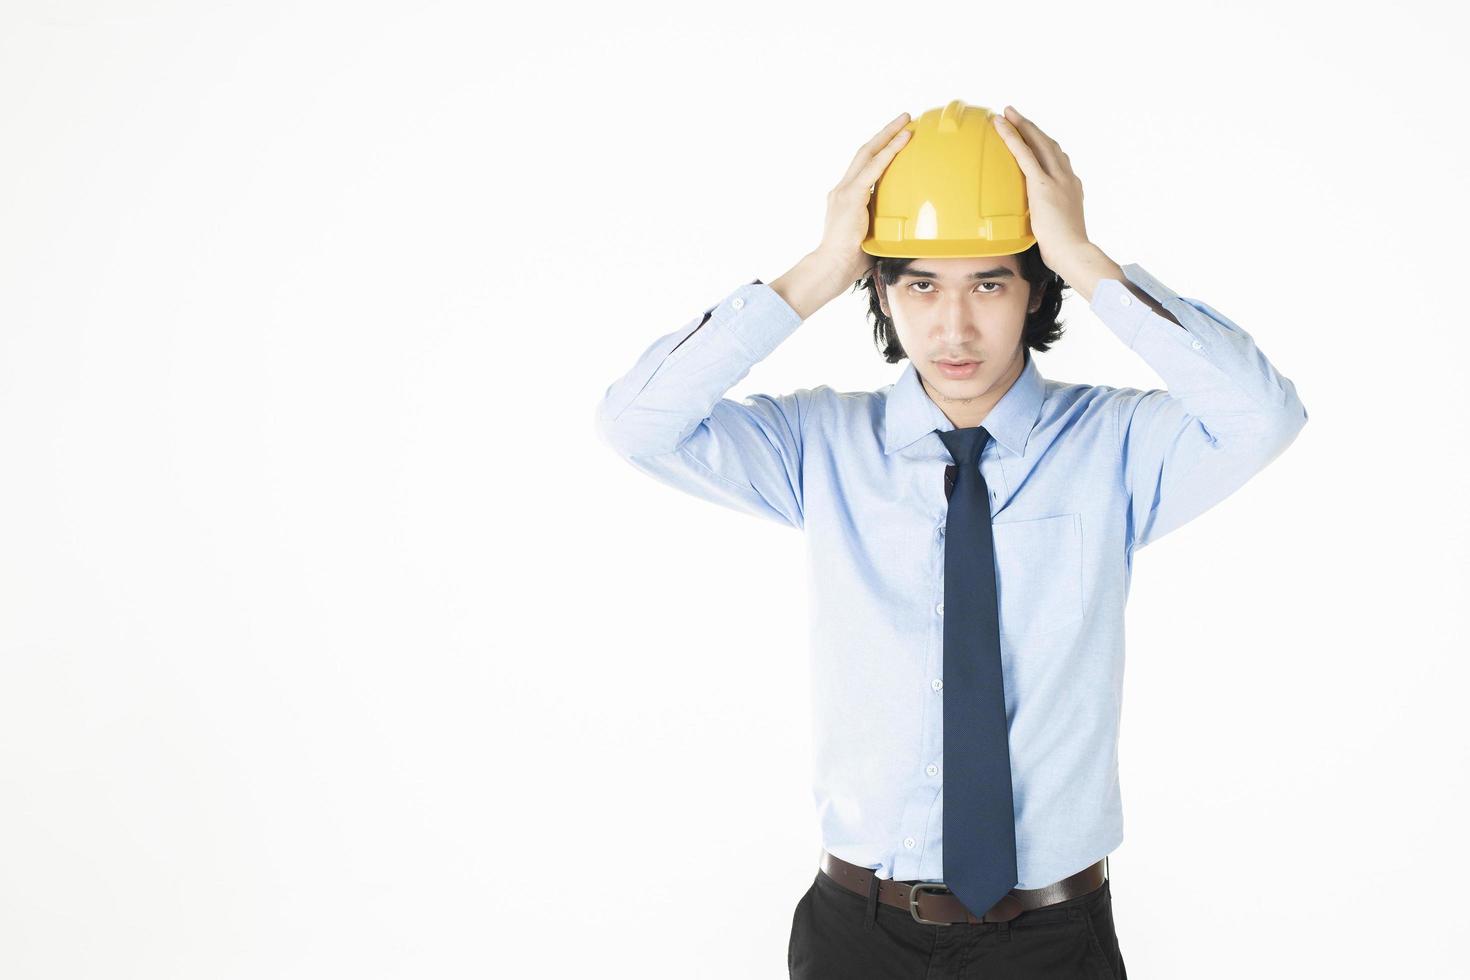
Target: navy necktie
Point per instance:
(979, 846)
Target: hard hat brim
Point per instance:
(943, 249)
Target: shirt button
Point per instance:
(937, 684)
(939, 609)
(737, 302)
(932, 769)
(1196, 345)
(1126, 300)
(908, 842)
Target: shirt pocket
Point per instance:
(1038, 574)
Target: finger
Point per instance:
(1046, 149)
(1019, 149)
(868, 176)
(865, 153)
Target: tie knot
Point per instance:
(964, 445)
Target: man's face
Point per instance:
(970, 310)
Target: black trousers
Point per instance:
(837, 934)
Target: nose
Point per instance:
(957, 327)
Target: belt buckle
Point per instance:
(914, 892)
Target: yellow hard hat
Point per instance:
(953, 191)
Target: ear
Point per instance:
(882, 290)
(1038, 293)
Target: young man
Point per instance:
(1078, 477)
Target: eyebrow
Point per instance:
(998, 273)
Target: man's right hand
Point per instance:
(848, 204)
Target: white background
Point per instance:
(333, 642)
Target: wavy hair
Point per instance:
(1042, 329)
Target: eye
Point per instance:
(926, 282)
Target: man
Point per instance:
(1076, 478)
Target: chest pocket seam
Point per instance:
(1038, 574)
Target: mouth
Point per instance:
(958, 369)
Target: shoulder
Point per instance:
(1071, 396)
(834, 412)
(826, 397)
(1075, 407)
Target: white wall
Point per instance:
(333, 643)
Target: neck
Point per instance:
(965, 413)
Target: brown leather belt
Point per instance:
(940, 907)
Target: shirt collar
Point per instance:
(909, 413)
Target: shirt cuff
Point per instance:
(757, 317)
(1128, 316)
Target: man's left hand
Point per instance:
(1053, 191)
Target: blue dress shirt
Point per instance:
(1081, 476)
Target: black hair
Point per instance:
(1042, 328)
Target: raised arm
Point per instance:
(668, 415)
(1226, 413)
